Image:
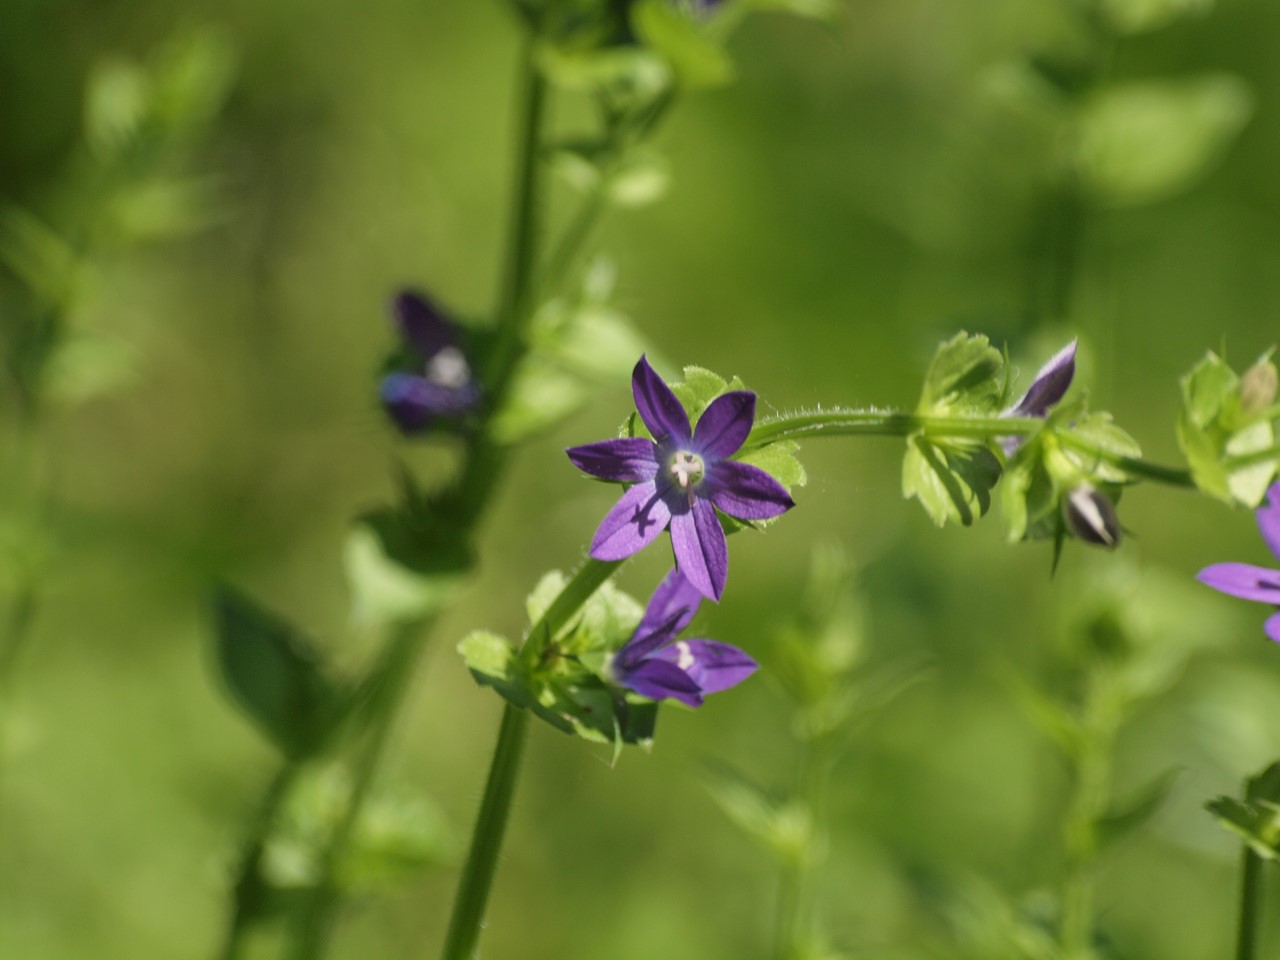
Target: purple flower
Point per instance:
(656, 665)
(1049, 386)
(437, 382)
(1246, 581)
(680, 478)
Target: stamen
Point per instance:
(687, 468)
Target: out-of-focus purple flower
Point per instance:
(657, 665)
(680, 478)
(1049, 386)
(1246, 581)
(436, 383)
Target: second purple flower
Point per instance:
(681, 478)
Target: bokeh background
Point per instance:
(863, 190)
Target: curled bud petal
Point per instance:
(1090, 516)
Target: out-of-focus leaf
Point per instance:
(163, 208)
(274, 674)
(1051, 717)
(1129, 815)
(193, 75)
(1147, 140)
(816, 9)
(385, 590)
(952, 481)
(1139, 16)
(117, 98)
(635, 74)
(86, 365)
(784, 827)
(695, 58)
(37, 254)
(541, 396)
(544, 594)
(641, 178)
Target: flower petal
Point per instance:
(746, 492)
(1049, 386)
(1243, 580)
(670, 609)
(634, 522)
(625, 460)
(658, 679)
(701, 552)
(421, 323)
(712, 665)
(413, 402)
(725, 424)
(659, 408)
(1272, 626)
(1269, 519)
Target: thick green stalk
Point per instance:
(486, 839)
(1250, 897)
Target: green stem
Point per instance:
(316, 918)
(486, 839)
(888, 423)
(1250, 897)
(797, 891)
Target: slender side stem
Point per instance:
(1250, 897)
(798, 887)
(486, 839)
(316, 919)
(888, 423)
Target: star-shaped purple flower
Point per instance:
(436, 383)
(1049, 387)
(1246, 581)
(680, 478)
(657, 665)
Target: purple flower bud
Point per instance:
(1090, 516)
(1046, 390)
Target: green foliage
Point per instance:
(1148, 140)
(1126, 817)
(1256, 818)
(564, 679)
(784, 826)
(275, 675)
(1225, 416)
(953, 478)
(1139, 16)
(695, 57)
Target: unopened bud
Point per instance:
(1091, 516)
(1258, 388)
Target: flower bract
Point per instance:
(656, 664)
(434, 382)
(1246, 581)
(679, 479)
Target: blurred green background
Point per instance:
(862, 191)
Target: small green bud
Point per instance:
(1258, 388)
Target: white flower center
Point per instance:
(687, 468)
(449, 368)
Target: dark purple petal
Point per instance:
(1272, 626)
(414, 402)
(701, 552)
(1049, 386)
(712, 665)
(634, 522)
(725, 424)
(422, 325)
(746, 492)
(647, 638)
(625, 460)
(670, 609)
(1269, 519)
(659, 408)
(1243, 580)
(658, 679)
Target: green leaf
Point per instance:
(117, 98)
(1139, 16)
(591, 339)
(38, 255)
(641, 178)
(85, 365)
(952, 481)
(631, 74)
(1257, 823)
(1127, 816)
(1148, 140)
(964, 377)
(274, 674)
(784, 827)
(699, 387)
(385, 591)
(780, 462)
(1101, 432)
(694, 58)
(540, 397)
(1207, 390)
(398, 835)
(544, 594)
(1053, 719)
